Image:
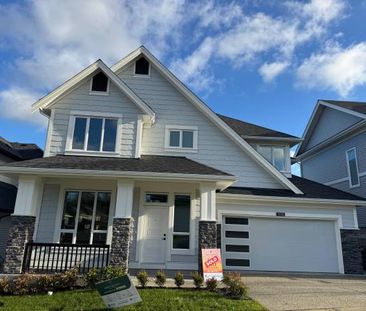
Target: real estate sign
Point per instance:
(212, 264)
(118, 292)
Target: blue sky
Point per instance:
(266, 62)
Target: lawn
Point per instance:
(153, 299)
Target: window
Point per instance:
(99, 83)
(354, 180)
(142, 67)
(94, 134)
(85, 217)
(277, 156)
(236, 221)
(156, 198)
(238, 262)
(182, 220)
(180, 137)
(237, 234)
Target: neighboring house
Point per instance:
(138, 171)
(10, 152)
(333, 151)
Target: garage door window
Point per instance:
(237, 248)
(237, 234)
(238, 262)
(236, 221)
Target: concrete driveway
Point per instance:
(299, 292)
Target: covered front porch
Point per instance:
(148, 222)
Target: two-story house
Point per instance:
(333, 151)
(138, 171)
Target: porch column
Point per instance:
(22, 222)
(207, 233)
(122, 224)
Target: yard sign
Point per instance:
(212, 264)
(118, 292)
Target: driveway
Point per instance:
(299, 292)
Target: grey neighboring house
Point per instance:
(11, 152)
(333, 151)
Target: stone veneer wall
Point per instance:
(121, 238)
(351, 248)
(20, 232)
(207, 238)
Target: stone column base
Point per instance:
(207, 238)
(352, 258)
(20, 232)
(121, 237)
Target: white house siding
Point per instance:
(330, 123)
(80, 99)
(214, 147)
(4, 231)
(48, 213)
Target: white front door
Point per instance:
(154, 240)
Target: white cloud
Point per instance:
(15, 103)
(335, 68)
(269, 71)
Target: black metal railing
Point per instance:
(54, 257)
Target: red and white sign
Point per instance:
(212, 264)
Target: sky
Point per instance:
(262, 61)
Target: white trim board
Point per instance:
(201, 106)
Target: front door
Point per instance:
(154, 240)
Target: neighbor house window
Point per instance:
(99, 83)
(354, 180)
(85, 217)
(274, 155)
(181, 137)
(182, 220)
(94, 134)
(142, 67)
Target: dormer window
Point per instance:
(99, 84)
(142, 67)
(276, 155)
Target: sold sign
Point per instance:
(212, 264)
(211, 261)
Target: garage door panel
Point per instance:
(283, 244)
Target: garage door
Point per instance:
(279, 244)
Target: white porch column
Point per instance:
(124, 200)
(208, 201)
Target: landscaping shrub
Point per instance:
(97, 275)
(235, 287)
(142, 278)
(179, 279)
(211, 284)
(4, 285)
(197, 279)
(160, 278)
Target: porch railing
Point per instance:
(54, 257)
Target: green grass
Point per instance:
(153, 299)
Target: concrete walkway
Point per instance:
(300, 292)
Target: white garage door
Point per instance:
(279, 244)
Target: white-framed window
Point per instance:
(181, 222)
(276, 155)
(99, 84)
(89, 133)
(142, 68)
(352, 165)
(155, 198)
(85, 217)
(182, 138)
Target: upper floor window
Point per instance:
(275, 155)
(142, 67)
(93, 133)
(181, 137)
(354, 179)
(99, 83)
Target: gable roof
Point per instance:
(19, 151)
(201, 106)
(357, 109)
(70, 84)
(252, 131)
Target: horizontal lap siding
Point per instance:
(81, 100)
(48, 213)
(214, 147)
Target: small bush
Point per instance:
(97, 275)
(235, 287)
(142, 278)
(4, 286)
(211, 284)
(160, 278)
(179, 279)
(197, 279)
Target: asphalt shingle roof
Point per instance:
(19, 151)
(311, 190)
(147, 163)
